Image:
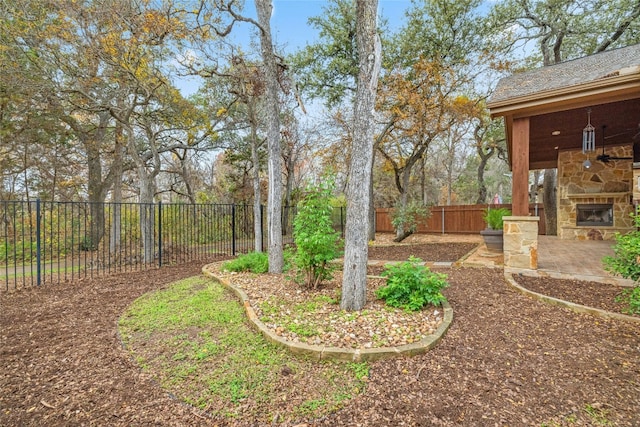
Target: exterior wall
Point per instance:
(606, 183)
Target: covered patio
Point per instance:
(549, 115)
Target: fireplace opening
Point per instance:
(593, 214)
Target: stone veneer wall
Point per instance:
(521, 242)
(601, 183)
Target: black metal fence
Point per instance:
(51, 242)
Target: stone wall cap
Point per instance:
(521, 218)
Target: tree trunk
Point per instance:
(96, 186)
(354, 284)
(372, 207)
(96, 196)
(272, 113)
(147, 214)
(402, 205)
(116, 210)
(286, 214)
(147, 185)
(257, 196)
(482, 187)
(186, 176)
(550, 202)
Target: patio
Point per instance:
(576, 259)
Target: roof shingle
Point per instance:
(569, 73)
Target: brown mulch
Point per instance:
(432, 252)
(506, 360)
(590, 294)
(376, 325)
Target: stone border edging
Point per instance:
(578, 308)
(338, 353)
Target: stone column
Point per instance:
(521, 242)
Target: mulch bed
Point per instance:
(591, 294)
(506, 360)
(433, 252)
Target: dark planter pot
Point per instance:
(493, 239)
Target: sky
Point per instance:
(290, 27)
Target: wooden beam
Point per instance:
(520, 167)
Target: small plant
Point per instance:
(360, 370)
(493, 217)
(411, 285)
(316, 240)
(256, 262)
(598, 415)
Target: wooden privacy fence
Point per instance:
(461, 219)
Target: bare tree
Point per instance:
(264, 8)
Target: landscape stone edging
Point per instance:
(578, 308)
(338, 353)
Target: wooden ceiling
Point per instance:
(621, 120)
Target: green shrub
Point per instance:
(626, 263)
(256, 262)
(631, 297)
(626, 258)
(411, 285)
(408, 216)
(493, 217)
(316, 240)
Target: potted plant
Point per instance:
(493, 234)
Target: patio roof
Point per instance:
(556, 100)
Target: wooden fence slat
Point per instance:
(458, 219)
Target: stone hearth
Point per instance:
(601, 184)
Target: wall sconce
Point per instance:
(588, 136)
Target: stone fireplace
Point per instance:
(595, 215)
(594, 202)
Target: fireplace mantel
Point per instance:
(597, 195)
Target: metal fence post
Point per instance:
(233, 229)
(160, 233)
(38, 243)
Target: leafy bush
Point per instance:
(316, 240)
(626, 263)
(411, 285)
(406, 217)
(493, 217)
(626, 258)
(631, 297)
(256, 262)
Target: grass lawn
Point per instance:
(194, 339)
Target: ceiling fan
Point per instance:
(606, 158)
